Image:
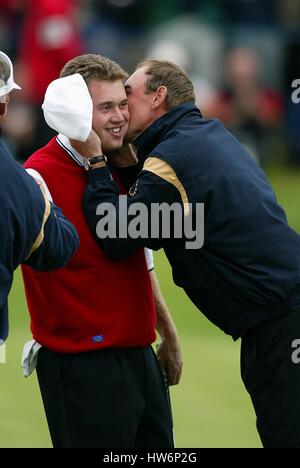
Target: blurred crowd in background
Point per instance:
(242, 56)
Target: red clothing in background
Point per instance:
(49, 38)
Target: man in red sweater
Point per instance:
(100, 380)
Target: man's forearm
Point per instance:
(168, 352)
(128, 175)
(105, 208)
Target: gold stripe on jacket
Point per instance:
(164, 170)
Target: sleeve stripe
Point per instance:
(165, 171)
(40, 236)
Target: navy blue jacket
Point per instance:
(32, 230)
(248, 269)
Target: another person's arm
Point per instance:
(102, 192)
(56, 242)
(107, 211)
(168, 350)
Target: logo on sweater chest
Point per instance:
(97, 338)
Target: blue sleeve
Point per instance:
(59, 244)
(102, 190)
(128, 175)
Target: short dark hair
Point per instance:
(174, 78)
(92, 66)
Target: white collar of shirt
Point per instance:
(64, 142)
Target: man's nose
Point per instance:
(117, 115)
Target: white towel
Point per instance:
(68, 107)
(29, 357)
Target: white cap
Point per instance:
(68, 107)
(10, 84)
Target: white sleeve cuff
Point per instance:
(149, 258)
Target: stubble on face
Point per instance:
(139, 103)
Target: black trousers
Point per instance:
(105, 399)
(271, 374)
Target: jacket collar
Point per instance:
(64, 142)
(155, 133)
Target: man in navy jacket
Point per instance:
(246, 276)
(32, 231)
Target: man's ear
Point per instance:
(3, 108)
(160, 97)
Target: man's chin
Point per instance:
(112, 146)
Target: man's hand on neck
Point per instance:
(124, 157)
(89, 148)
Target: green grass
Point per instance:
(211, 407)
(286, 184)
(22, 421)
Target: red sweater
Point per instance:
(93, 302)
